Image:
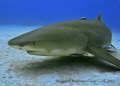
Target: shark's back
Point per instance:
(96, 31)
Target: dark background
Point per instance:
(44, 12)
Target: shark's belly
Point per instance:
(56, 52)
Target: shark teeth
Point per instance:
(30, 51)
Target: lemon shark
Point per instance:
(74, 37)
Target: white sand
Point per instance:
(17, 68)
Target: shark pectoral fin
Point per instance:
(103, 54)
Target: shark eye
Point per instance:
(33, 43)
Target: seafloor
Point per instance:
(17, 68)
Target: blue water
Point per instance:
(44, 12)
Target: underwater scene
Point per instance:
(59, 42)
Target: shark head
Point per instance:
(37, 47)
(41, 43)
(28, 41)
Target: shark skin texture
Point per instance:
(74, 37)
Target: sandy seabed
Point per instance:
(17, 68)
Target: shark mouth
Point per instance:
(36, 51)
(30, 51)
(39, 53)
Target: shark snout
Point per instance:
(19, 44)
(11, 42)
(14, 44)
(14, 41)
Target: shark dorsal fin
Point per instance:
(99, 18)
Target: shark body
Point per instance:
(68, 38)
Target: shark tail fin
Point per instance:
(99, 18)
(103, 54)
